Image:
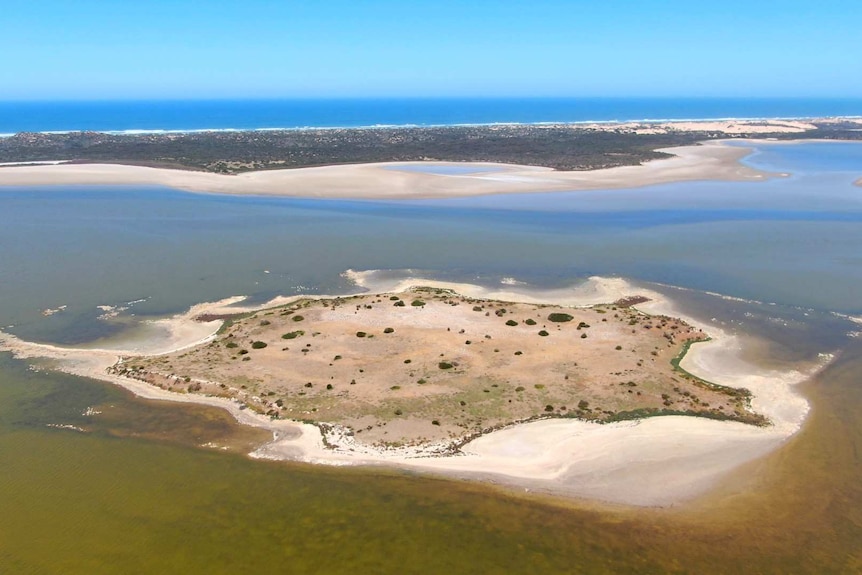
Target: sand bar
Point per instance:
(655, 461)
(712, 160)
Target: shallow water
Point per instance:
(135, 492)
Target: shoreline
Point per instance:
(712, 160)
(655, 461)
(577, 123)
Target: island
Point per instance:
(429, 366)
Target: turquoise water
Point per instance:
(261, 114)
(792, 244)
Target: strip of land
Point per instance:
(652, 461)
(401, 180)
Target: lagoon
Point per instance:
(787, 248)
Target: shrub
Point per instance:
(243, 351)
(618, 348)
(264, 322)
(583, 336)
(583, 404)
(293, 334)
(543, 333)
(389, 330)
(394, 298)
(398, 412)
(530, 321)
(435, 422)
(539, 386)
(408, 361)
(417, 303)
(519, 388)
(511, 322)
(336, 358)
(328, 386)
(399, 303)
(395, 387)
(549, 408)
(560, 317)
(477, 308)
(297, 318)
(361, 334)
(231, 344)
(258, 344)
(445, 365)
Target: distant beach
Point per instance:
(386, 181)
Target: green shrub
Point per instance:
(560, 317)
(231, 344)
(398, 412)
(293, 334)
(297, 318)
(417, 303)
(394, 298)
(530, 321)
(265, 322)
(395, 387)
(361, 334)
(258, 345)
(435, 422)
(389, 330)
(511, 322)
(328, 386)
(549, 408)
(519, 388)
(539, 386)
(477, 308)
(543, 333)
(445, 365)
(243, 351)
(399, 303)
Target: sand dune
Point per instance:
(712, 160)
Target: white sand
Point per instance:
(712, 160)
(656, 461)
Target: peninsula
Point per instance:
(405, 163)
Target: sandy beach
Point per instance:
(712, 160)
(652, 462)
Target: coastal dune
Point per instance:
(654, 461)
(402, 180)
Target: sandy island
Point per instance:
(651, 461)
(402, 180)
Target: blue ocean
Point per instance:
(190, 115)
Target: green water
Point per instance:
(96, 503)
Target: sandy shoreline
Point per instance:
(712, 161)
(656, 461)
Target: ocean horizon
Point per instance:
(165, 116)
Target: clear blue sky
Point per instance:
(86, 49)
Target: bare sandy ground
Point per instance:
(656, 461)
(712, 160)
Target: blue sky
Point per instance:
(87, 49)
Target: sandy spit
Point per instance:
(653, 462)
(712, 160)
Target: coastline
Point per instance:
(655, 461)
(712, 160)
